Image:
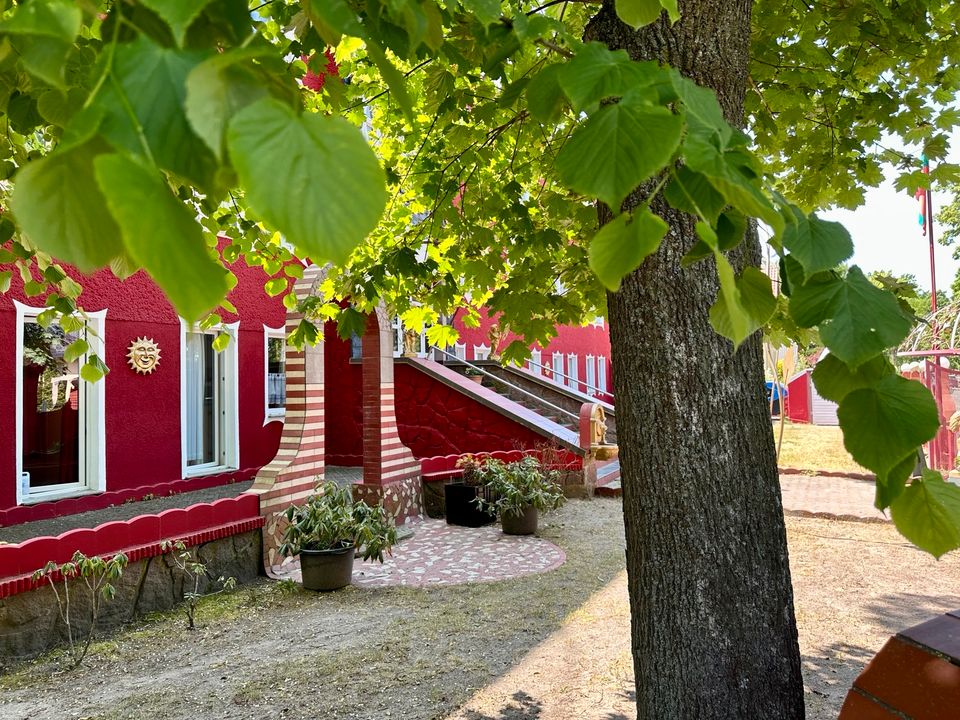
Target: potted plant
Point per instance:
(328, 529)
(474, 374)
(460, 496)
(520, 491)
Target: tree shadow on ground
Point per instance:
(524, 707)
(898, 611)
(630, 695)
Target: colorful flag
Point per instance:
(921, 195)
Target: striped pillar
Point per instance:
(298, 465)
(391, 474)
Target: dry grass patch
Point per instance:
(815, 447)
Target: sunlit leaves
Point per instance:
(834, 380)
(927, 513)
(744, 304)
(161, 235)
(61, 209)
(887, 421)
(334, 189)
(623, 243)
(43, 32)
(619, 147)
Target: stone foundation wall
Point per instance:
(401, 500)
(30, 623)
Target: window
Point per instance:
(460, 351)
(573, 371)
(591, 375)
(602, 373)
(481, 352)
(535, 363)
(275, 350)
(208, 405)
(558, 368)
(356, 346)
(598, 321)
(60, 418)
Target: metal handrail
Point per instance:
(567, 377)
(509, 384)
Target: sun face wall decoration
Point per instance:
(143, 355)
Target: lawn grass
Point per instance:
(814, 448)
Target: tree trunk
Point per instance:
(714, 634)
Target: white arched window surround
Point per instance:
(271, 414)
(229, 429)
(93, 448)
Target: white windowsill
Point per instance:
(274, 416)
(39, 497)
(207, 470)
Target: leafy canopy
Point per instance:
(448, 155)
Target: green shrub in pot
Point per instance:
(519, 491)
(326, 530)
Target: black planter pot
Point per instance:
(433, 499)
(523, 524)
(462, 508)
(327, 569)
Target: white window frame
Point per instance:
(602, 373)
(481, 352)
(272, 414)
(93, 454)
(591, 375)
(598, 321)
(535, 365)
(230, 409)
(460, 351)
(558, 367)
(573, 371)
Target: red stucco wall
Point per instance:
(343, 402)
(589, 340)
(142, 413)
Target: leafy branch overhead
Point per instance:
(447, 155)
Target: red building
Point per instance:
(181, 423)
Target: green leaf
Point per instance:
(332, 18)
(623, 243)
(5, 276)
(178, 14)
(673, 12)
(817, 244)
(217, 89)
(221, 341)
(58, 19)
(153, 85)
(545, 99)
(743, 304)
(884, 423)
(442, 335)
(486, 11)
(93, 370)
(892, 483)
(618, 148)
(857, 319)
(637, 13)
(44, 57)
(927, 513)
(692, 193)
(834, 379)
(704, 114)
(275, 286)
(393, 77)
(597, 72)
(75, 350)
(334, 189)
(351, 322)
(59, 206)
(161, 234)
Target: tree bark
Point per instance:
(713, 628)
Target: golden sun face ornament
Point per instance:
(143, 355)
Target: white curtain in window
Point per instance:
(558, 368)
(535, 362)
(481, 352)
(460, 351)
(591, 375)
(573, 371)
(193, 398)
(602, 373)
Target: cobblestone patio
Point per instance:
(441, 554)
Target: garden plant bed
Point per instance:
(422, 653)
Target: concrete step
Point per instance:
(612, 489)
